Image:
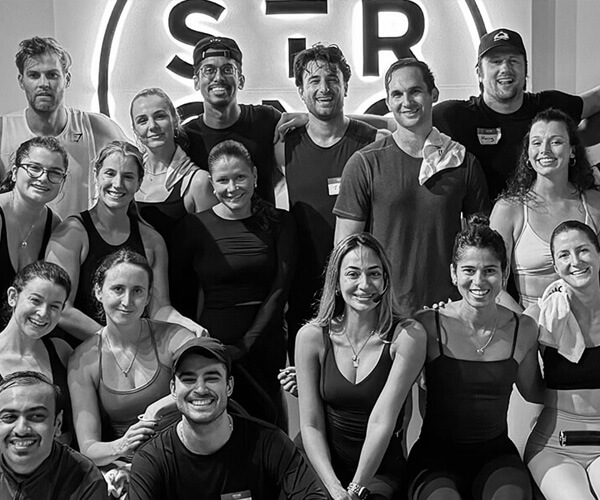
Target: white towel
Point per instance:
(440, 152)
(559, 327)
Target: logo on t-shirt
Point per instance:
(238, 495)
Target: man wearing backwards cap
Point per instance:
(218, 76)
(492, 125)
(210, 453)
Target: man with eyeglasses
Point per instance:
(218, 76)
(44, 76)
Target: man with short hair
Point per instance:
(493, 125)
(212, 453)
(409, 190)
(313, 157)
(34, 466)
(44, 75)
(218, 76)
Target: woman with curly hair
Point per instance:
(553, 182)
(231, 268)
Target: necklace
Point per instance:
(137, 348)
(152, 175)
(482, 348)
(355, 353)
(24, 240)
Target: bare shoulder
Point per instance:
(84, 360)
(310, 339)
(70, 227)
(409, 337)
(505, 207)
(200, 178)
(169, 336)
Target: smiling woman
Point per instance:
(553, 183)
(230, 269)
(476, 351)
(81, 242)
(26, 222)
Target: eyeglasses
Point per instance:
(209, 71)
(35, 171)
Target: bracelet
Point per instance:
(358, 490)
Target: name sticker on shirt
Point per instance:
(238, 495)
(333, 186)
(489, 136)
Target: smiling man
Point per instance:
(313, 158)
(493, 124)
(210, 453)
(34, 466)
(44, 75)
(218, 76)
(409, 190)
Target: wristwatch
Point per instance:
(358, 490)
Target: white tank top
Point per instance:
(78, 191)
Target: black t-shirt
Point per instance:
(254, 128)
(258, 458)
(495, 138)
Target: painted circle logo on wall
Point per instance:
(142, 47)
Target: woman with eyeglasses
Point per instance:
(26, 221)
(173, 185)
(81, 242)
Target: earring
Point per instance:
(255, 184)
(454, 281)
(529, 165)
(214, 192)
(175, 133)
(572, 161)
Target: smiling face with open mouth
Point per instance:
(118, 179)
(502, 74)
(37, 307)
(549, 148)
(576, 259)
(478, 276)
(39, 189)
(323, 89)
(219, 89)
(28, 425)
(201, 388)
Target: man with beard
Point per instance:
(212, 453)
(313, 157)
(492, 125)
(44, 75)
(410, 189)
(218, 76)
(34, 465)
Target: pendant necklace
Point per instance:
(482, 348)
(355, 353)
(24, 240)
(137, 348)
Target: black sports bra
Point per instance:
(562, 374)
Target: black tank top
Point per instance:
(7, 271)
(98, 249)
(164, 215)
(562, 374)
(467, 400)
(348, 405)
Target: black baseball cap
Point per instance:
(211, 46)
(501, 38)
(206, 346)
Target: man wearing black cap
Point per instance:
(492, 125)
(218, 76)
(211, 453)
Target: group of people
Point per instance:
(153, 291)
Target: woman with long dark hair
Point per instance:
(553, 182)
(230, 269)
